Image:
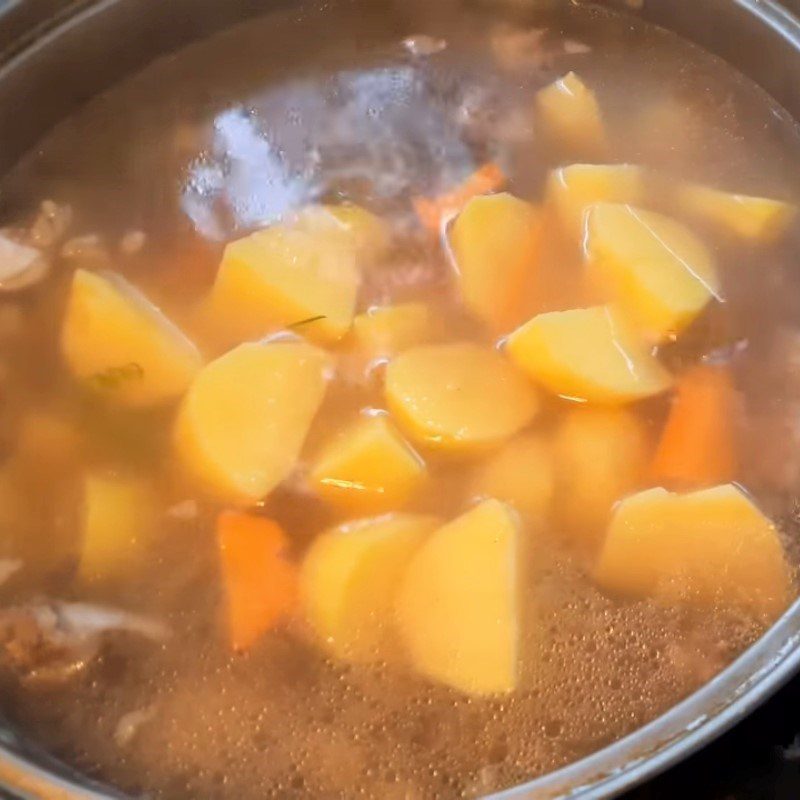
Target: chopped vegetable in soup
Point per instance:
(410, 422)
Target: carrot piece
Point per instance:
(433, 211)
(697, 446)
(260, 585)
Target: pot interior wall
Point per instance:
(98, 43)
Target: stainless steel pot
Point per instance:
(55, 54)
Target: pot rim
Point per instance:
(759, 672)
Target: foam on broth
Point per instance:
(228, 135)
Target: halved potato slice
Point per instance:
(572, 190)
(496, 244)
(286, 275)
(708, 547)
(458, 397)
(655, 269)
(245, 417)
(348, 582)
(457, 606)
(367, 468)
(353, 225)
(570, 117)
(119, 523)
(120, 345)
(587, 354)
(757, 219)
(600, 456)
(388, 330)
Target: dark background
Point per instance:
(757, 760)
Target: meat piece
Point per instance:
(21, 266)
(130, 723)
(398, 282)
(519, 49)
(132, 242)
(8, 566)
(51, 224)
(48, 642)
(422, 45)
(185, 511)
(86, 252)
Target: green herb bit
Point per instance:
(306, 321)
(114, 377)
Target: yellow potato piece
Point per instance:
(572, 190)
(244, 419)
(757, 219)
(282, 276)
(520, 474)
(120, 345)
(367, 233)
(655, 269)
(601, 454)
(709, 547)
(587, 354)
(348, 582)
(388, 330)
(367, 468)
(457, 606)
(570, 117)
(119, 524)
(496, 244)
(636, 549)
(460, 397)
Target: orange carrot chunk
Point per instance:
(432, 212)
(260, 584)
(698, 443)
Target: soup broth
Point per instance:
(479, 456)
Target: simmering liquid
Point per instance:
(131, 676)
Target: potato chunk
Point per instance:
(520, 474)
(756, 219)
(284, 275)
(122, 346)
(460, 397)
(119, 523)
(388, 330)
(570, 117)
(245, 417)
(587, 354)
(457, 607)
(708, 547)
(601, 455)
(349, 579)
(658, 272)
(367, 468)
(495, 242)
(367, 233)
(572, 190)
